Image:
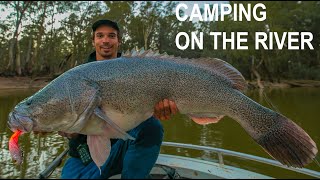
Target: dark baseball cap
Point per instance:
(105, 22)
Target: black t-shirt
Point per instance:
(92, 57)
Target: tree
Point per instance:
(19, 14)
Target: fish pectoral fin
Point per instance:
(111, 128)
(89, 98)
(203, 120)
(99, 147)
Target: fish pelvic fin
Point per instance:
(214, 65)
(289, 144)
(203, 120)
(99, 145)
(99, 148)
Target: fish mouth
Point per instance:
(19, 122)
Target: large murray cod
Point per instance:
(104, 99)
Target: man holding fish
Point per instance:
(124, 155)
(107, 100)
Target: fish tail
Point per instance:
(288, 143)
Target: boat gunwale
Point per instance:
(222, 152)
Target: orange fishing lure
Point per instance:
(14, 148)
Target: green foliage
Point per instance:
(293, 16)
(153, 25)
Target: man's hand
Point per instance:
(165, 109)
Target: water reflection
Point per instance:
(299, 104)
(38, 150)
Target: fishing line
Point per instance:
(265, 97)
(316, 161)
(270, 104)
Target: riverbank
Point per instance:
(286, 84)
(39, 82)
(23, 82)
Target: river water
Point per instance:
(302, 105)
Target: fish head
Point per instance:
(20, 118)
(41, 112)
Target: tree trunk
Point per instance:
(147, 32)
(255, 72)
(20, 12)
(12, 48)
(12, 53)
(18, 60)
(36, 60)
(267, 71)
(63, 64)
(72, 62)
(318, 56)
(28, 67)
(145, 41)
(43, 65)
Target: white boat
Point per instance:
(170, 166)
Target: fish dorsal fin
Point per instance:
(134, 53)
(214, 65)
(127, 54)
(222, 68)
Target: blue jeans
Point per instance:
(132, 158)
